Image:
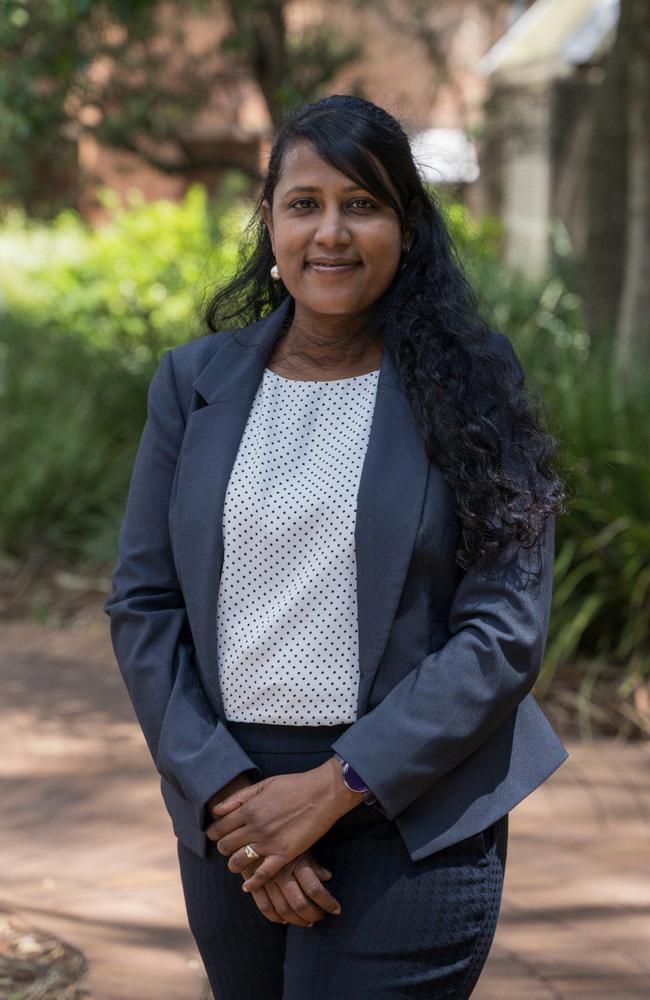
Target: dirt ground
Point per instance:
(89, 861)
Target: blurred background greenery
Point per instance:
(93, 291)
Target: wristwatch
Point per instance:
(354, 781)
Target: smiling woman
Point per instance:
(334, 586)
(337, 250)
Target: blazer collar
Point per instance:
(392, 487)
(240, 356)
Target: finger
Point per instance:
(225, 824)
(236, 799)
(238, 861)
(236, 841)
(270, 866)
(252, 866)
(230, 842)
(262, 898)
(283, 906)
(320, 869)
(314, 889)
(267, 907)
(300, 904)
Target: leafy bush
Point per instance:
(86, 315)
(69, 418)
(132, 286)
(602, 565)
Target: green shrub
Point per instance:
(85, 315)
(602, 566)
(69, 420)
(130, 287)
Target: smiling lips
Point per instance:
(335, 266)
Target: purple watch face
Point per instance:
(354, 781)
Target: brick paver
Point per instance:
(88, 852)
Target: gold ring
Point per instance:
(251, 853)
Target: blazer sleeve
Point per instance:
(190, 746)
(443, 709)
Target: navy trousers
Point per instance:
(407, 928)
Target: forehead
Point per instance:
(303, 165)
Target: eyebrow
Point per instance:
(312, 187)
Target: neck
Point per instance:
(329, 343)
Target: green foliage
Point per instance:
(47, 49)
(122, 71)
(602, 566)
(476, 240)
(87, 314)
(129, 287)
(69, 414)
(602, 570)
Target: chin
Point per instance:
(327, 306)
(340, 313)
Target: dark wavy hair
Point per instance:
(468, 394)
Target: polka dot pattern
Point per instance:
(287, 629)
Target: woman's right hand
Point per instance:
(296, 895)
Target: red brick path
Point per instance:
(88, 851)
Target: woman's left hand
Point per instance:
(280, 816)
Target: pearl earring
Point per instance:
(275, 272)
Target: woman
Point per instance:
(333, 588)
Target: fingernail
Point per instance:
(338, 910)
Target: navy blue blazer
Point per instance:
(448, 735)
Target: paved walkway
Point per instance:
(88, 852)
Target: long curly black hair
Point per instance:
(465, 383)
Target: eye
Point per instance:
(305, 202)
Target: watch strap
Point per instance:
(354, 781)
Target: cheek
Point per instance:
(293, 241)
(382, 270)
(381, 250)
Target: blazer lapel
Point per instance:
(389, 503)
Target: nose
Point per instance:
(332, 228)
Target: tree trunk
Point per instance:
(633, 326)
(262, 29)
(606, 196)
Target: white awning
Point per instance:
(445, 156)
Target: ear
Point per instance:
(409, 229)
(408, 235)
(268, 219)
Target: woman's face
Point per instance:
(320, 216)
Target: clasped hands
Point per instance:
(281, 817)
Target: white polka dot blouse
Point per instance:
(287, 628)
